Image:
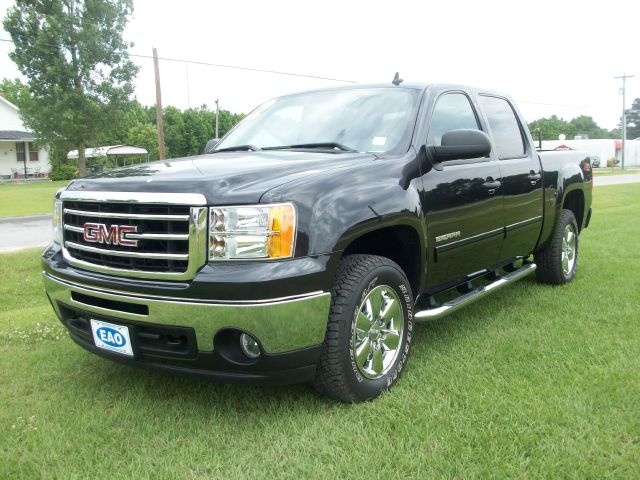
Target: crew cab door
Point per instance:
(521, 170)
(461, 200)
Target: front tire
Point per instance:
(557, 263)
(369, 331)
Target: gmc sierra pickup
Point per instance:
(309, 241)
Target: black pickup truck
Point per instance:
(310, 240)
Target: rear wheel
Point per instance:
(557, 263)
(369, 331)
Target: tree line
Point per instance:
(186, 132)
(552, 127)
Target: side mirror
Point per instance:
(211, 144)
(460, 145)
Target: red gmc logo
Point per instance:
(113, 235)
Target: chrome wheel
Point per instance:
(377, 333)
(568, 249)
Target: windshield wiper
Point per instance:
(320, 146)
(238, 148)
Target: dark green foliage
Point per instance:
(144, 135)
(555, 126)
(13, 89)
(187, 132)
(63, 172)
(133, 115)
(633, 118)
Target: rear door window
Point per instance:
(505, 128)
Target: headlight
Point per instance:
(252, 232)
(57, 221)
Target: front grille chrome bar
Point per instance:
(139, 236)
(121, 253)
(137, 216)
(194, 199)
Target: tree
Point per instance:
(174, 132)
(552, 127)
(633, 117)
(13, 89)
(132, 116)
(144, 135)
(227, 121)
(198, 127)
(585, 125)
(75, 61)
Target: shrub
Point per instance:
(63, 172)
(612, 162)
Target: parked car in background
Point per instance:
(595, 162)
(308, 242)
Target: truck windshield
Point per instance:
(376, 120)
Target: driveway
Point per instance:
(615, 179)
(17, 233)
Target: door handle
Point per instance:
(492, 184)
(534, 177)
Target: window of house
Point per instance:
(33, 153)
(20, 153)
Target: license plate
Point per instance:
(112, 337)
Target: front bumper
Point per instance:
(195, 336)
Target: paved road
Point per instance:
(615, 179)
(18, 233)
(27, 232)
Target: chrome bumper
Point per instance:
(281, 325)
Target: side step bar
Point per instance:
(464, 300)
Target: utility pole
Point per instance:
(217, 115)
(624, 113)
(159, 122)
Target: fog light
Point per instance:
(249, 346)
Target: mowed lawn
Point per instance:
(20, 199)
(614, 171)
(533, 382)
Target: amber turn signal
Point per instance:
(282, 226)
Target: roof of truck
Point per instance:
(406, 85)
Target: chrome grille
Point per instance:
(170, 233)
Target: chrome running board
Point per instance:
(451, 306)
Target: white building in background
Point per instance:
(603, 148)
(17, 146)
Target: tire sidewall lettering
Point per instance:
(390, 377)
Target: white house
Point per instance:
(17, 148)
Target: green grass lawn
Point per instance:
(19, 199)
(613, 171)
(533, 382)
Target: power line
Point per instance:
(291, 74)
(222, 65)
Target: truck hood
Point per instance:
(223, 178)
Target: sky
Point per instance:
(553, 57)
